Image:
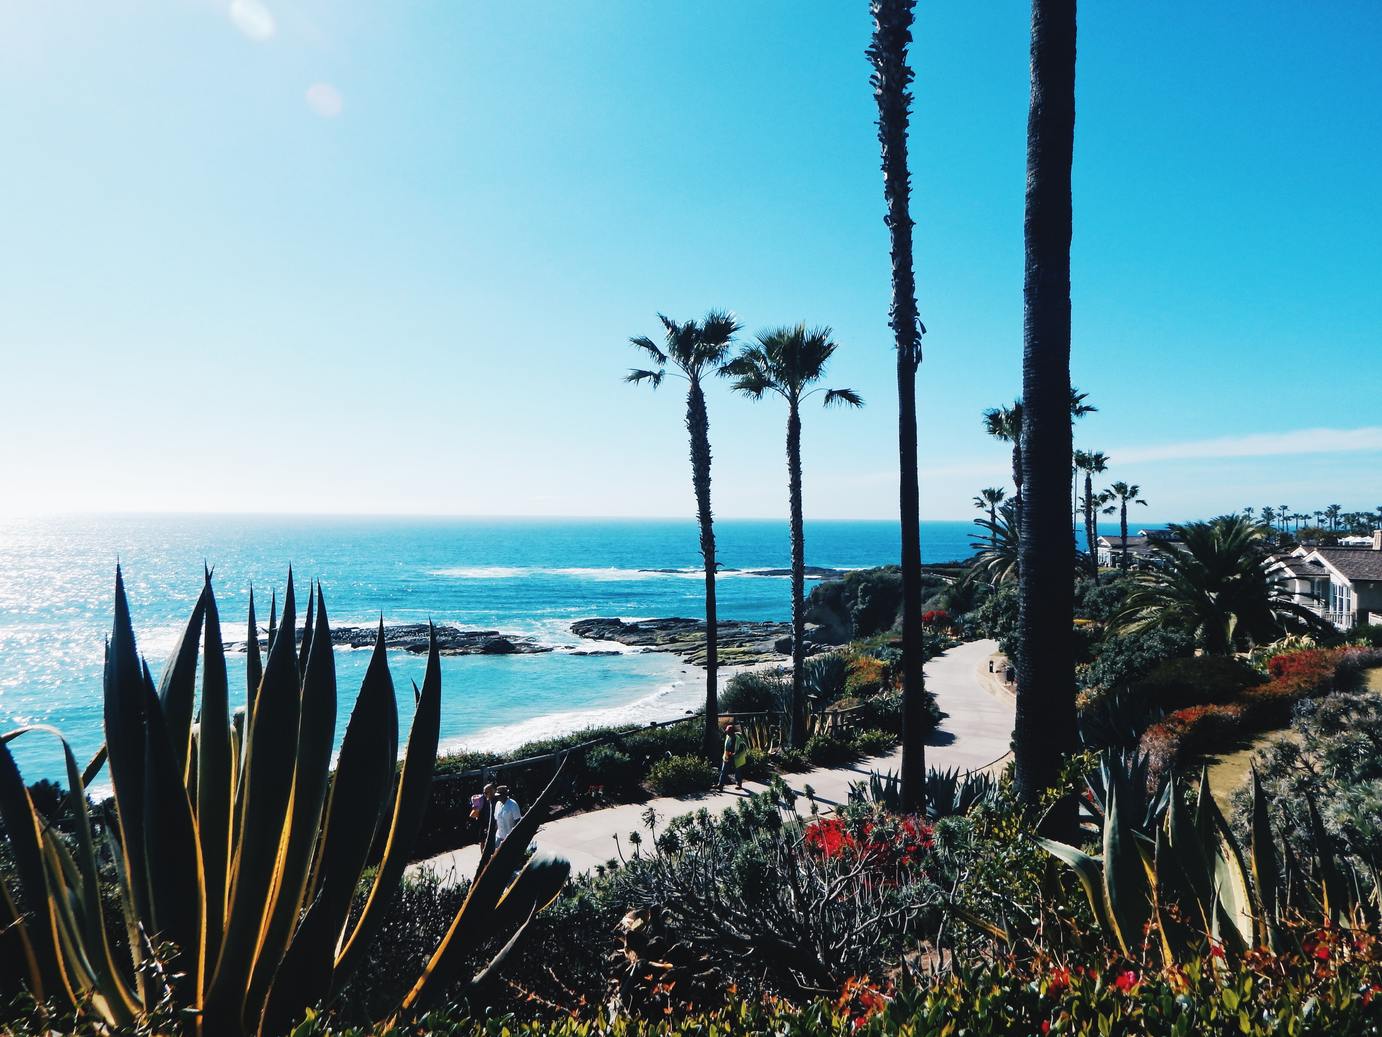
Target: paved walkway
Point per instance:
(975, 735)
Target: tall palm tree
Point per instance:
(1268, 516)
(988, 500)
(1332, 514)
(789, 361)
(891, 79)
(1283, 513)
(1045, 724)
(1214, 583)
(693, 350)
(1091, 462)
(1126, 493)
(1079, 407)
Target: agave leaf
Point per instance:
(215, 777)
(264, 802)
(1174, 906)
(1089, 870)
(18, 961)
(981, 923)
(177, 895)
(316, 735)
(178, 686)
(1125, 879)
(308, 629)
(1230, 876)
(24, 829)
(1266, 877)
(1333, 898)
(410, 805)
(124, 724)
(254, 664)
(93, 767)
(472, 924)
(536, 886)
(359, 793)
(1190, 860)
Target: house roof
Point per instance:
(1298, 566)
(1355, 563)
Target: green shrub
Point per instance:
(1369, 634)
(793, 761)
(613, 769)
(825, 750)
(866, 675)
(872, 742)
(1196, 681)
(681, 776)
(1121, 659)
(755, 691)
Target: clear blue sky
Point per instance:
(283, 256)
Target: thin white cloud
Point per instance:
(325, 100)
(253, 19)
(1262, 444)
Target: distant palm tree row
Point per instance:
(1330, 519)
(787, 362)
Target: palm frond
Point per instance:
(843, 396)
(637, 376)
(646, 344)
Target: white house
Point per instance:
(1342, 584)
(1140, 550)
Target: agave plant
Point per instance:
(949, 793)
(237, 847)
(1186, 884)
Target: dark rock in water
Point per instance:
(739, 641)
(813, 572)
(413, 637)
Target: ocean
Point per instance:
(522, 576)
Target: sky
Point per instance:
(301, 256)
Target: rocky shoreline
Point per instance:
(413, 637)
(740, 641)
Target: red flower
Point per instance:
(1046, 1026)
(1058, 980)
(1126, 981)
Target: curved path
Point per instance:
(974, 736)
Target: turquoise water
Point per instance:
(524, 576)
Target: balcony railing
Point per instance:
(1342, 620)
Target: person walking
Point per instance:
(736, 754)
(506, 814)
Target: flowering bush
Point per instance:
(877, 839)
(936, 618)
(1293, 676)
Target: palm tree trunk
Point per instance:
(1123, 532)
(993, 525)
(798, 719)
(1017, 478)
(1091, 531)
(892, 33)
(698, 426)
(1045, 722)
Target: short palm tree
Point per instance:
(1211, 580)
(1091, 462)
(996, 559)
(789, 361)
(693, 350)
(1005, 425)
(988, 500)
(1125, 494)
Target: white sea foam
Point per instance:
(615, 573)
(667, 702)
